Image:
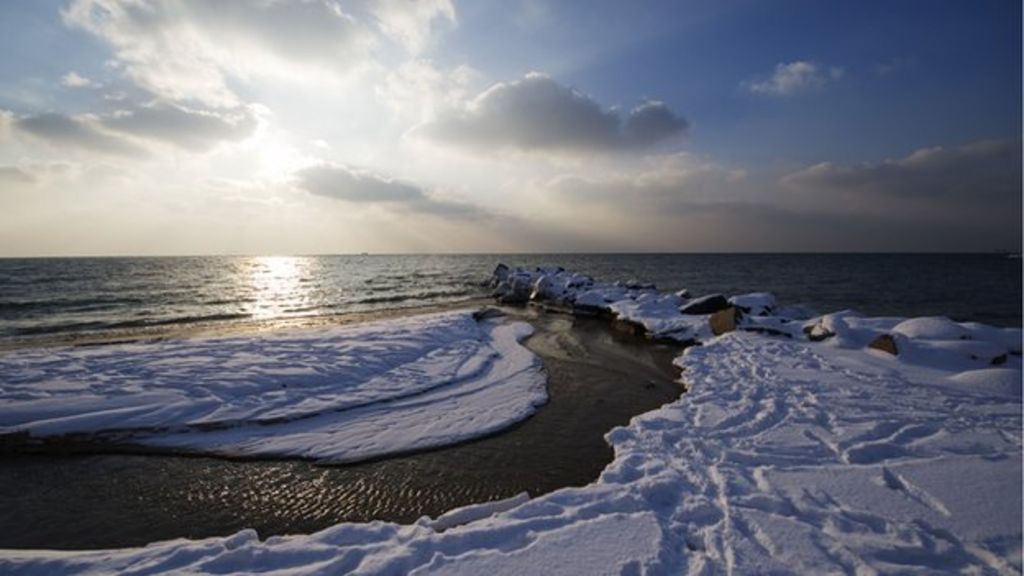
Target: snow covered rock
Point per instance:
(755, 303)
(704, 305)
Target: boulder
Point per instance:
(545, 288)
(885, 343)
(724, 320)
(755, 303)
(634, 284)
(487, 313)
(705, 305)
(515, 289)
(684, 294)
(629, 327)
(499, 275)
(817, 332)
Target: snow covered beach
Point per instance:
(798, 449)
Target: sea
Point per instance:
(45, 298)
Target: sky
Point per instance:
(163, 127)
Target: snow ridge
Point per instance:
(331, 394)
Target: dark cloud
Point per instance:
(966, 198)
(363, 187)
(537, 113)
(191, 129)
(76, 132)
(980, 171)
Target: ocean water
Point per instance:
(41, 298)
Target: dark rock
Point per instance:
(767, 330)
(515, 289)
(488, 312)
(499, 275)
(998, 360)
(684, 294)
(705, 305)
(885, 343)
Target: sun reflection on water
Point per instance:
(276, 285)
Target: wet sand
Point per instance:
(597, 379)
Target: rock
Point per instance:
(705, 305)
(885, 343)
(755, 303)
(587, 310)
(499, 275)
(766, 330)
(817, 332)
(579, 281)
(546, 289)
(515, 289)
(684, 294)
(724, 320)
(629, 327)
(487, 312)
(999, 360)
(634, 284)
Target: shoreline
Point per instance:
(221, 329)
(598, 379)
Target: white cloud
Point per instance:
(191, 50)
(539, 114)
(795, 78)
(75, 80)
(412, 23)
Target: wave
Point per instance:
(64, 303)
(98, 326)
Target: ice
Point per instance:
(795, 451)
(334, 394)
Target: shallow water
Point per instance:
(598, 379)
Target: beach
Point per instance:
(803, 443)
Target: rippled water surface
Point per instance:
(45, 297)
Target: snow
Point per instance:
(795, 451)
(333, 394)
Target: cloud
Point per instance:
(121, 132)
(411, 23)
(794, 78)
(665, 185)
(75, 80)
(365, 187)
(77, 132)
(959, 198)
(194, 50)
(15, 175)
(986, 171)
(187, 128)
(538, 113)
